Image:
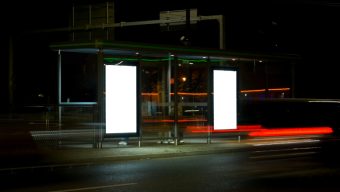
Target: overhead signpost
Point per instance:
(178, 17)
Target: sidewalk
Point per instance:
(86, 155)
(71, 154)
(134, 152)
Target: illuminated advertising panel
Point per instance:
(121, 99)
(225, 99)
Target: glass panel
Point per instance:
(192, 97)
(252, 79)
(65, 126)
(260, 80)
(279, 80)
(265, 79)
(79, 77)
(157, 110)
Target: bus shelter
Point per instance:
(164, 93)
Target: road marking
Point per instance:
(283, 155)
(96, 187)
(286, 142)
(283, 150)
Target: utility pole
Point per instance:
(10, 76)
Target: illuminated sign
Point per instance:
(121, 99)
(225, 99)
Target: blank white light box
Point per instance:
(121, 99)
(225, 99)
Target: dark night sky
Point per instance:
(303, 27)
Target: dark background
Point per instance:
(302, 27)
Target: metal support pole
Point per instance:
(220, 20)
(59, 77)
(59, 124)
(99, 134)
(11, 76)
(175, 102)
(139, 141)
(210, 102)
(59, 96)
(266, 80)
(73, 22)
(107, 20)
(90, 21)
(139, 116)
(293, 81)
(169, 83)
